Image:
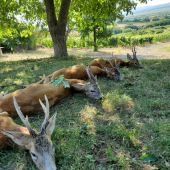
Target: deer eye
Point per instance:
(33, 156)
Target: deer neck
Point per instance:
(75, 81)
(7, 124)
(125, 64)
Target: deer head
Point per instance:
(39, 144)
(91, 89)
(113, 73)
(134, 61)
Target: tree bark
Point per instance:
(57, 28)
(94, 34)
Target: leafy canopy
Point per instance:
(33, 11)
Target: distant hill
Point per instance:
(151, 11)
(150, 8)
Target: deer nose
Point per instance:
(101, 97)
(120, 78)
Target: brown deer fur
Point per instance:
(7, 124)
(78, 72)
(104, 62)
(28, 98)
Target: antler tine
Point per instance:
(115, 62)
(111, 63)
(134, 56)
(92, 76)
(46, 111)
(23, 119)
(87, 70)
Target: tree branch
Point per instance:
(51, 17)
(62, 19)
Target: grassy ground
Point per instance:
(132, 120)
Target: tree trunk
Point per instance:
(57, 28)
(94, 34)
(59, 43)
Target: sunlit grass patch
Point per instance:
(87, 115)
(115, 102)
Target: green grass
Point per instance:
(132, 120)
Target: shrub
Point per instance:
(47, 42)
(127, 30)
(131, 26)
(117, 30)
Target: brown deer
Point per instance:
(28, 98)
(39, 144)
(104, 62)
(78, 72)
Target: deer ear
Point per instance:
(19, 138)
(105, 69)
(78, 86)
(129, 57)
(51, 125)
(95, 77)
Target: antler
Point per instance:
(46, 111)
(111, 63)
(92, 76)
(24, 120)
(134, 52)
(87, 70)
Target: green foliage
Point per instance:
(127, 30)
(20, 36)
(148, 157)
(158, 23)
(136, 20)
(155, 18)
(58, 80)
(117, 30)
(104, 33)
(146, 19)
(131, 26)
(47, 42)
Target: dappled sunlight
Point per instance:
(21, 74)
(87, 115)
(114, 102)
(18, 82)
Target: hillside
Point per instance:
(151, 8)
(157, 10)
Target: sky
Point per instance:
(154, 2)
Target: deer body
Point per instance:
(104, 62)
(77, 72)
(100, 61)
(28, 98)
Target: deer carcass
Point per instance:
(39, 144)
(132, 61)
(78, 72)
(28, 98)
